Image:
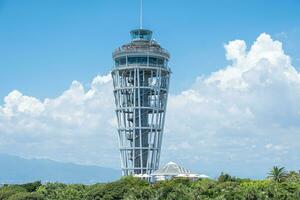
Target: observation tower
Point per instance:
(141, 77)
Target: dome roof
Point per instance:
(171, 169)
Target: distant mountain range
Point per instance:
(14, 169)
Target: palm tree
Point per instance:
(277, 174)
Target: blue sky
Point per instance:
(47, 44)
(235, 86)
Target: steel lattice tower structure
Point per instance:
(141, 81)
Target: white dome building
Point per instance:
(173, 170)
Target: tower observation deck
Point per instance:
(141, 82)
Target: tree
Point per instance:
(32, 187)
(277, 174)
(26, 196)
(224, 177)
(9, 190)
(293, 177)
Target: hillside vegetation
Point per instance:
(279, 185)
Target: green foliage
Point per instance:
(277, 174)
(224, 177)
(26, 196)
(31, 187)
(173, 189)
(60, 191)
(115, 190)
(8, 191)
(293, 176)
(225, 187)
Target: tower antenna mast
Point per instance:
(141, 15)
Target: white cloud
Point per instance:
(15, 103)
(254, 101)
(229, 120)
(67, 128)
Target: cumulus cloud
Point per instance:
(246, 114)
(235, 113)
(77, 126)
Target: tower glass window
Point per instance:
(141, 34)
(133, 60)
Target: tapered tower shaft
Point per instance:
(141, 81)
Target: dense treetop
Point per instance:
(278, 185)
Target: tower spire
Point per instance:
(141, 14)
